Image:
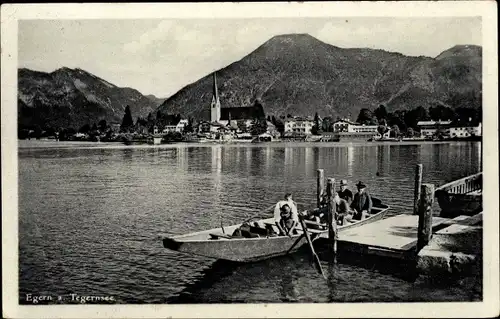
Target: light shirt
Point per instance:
(277, 210)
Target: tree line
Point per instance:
(400, 122)
(403, 122)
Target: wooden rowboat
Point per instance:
(219, 243)
(461, 197)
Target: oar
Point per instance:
(261, 213)
(295, 243)
(222, 226)
(315, 256)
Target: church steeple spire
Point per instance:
(216, 91)
(215, 107)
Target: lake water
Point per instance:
(92, 215)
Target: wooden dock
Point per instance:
(392, 237)
(397, 236)
(404, 236)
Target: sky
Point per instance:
(160, 56)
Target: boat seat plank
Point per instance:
(217, 236)
(269, 223)
(314, 231)
(311, 222)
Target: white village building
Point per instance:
(299, 125)
(347, 129)
(430, 128)
(179, 127)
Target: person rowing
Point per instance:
(287, 200)
(281, 212)
(288, 221)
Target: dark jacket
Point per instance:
(346, 195)
(362, 202)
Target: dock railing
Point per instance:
(464, 185)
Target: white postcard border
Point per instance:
(10, 14)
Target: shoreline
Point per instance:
(43, 144)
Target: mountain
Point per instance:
(155, 100)
(298, 74)
(73, 97)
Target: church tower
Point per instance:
(215, 106)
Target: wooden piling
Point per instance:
(320, 185)
(418, 186)
(332, 222)
(425, 215)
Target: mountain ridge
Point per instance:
(300, 74)
(293, 74)
(74, 97)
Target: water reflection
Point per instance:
(331, 282)
(127, 154)
(383, 159)
(293, 278)
(216, 173)
(269, 154)
(127, 195)
(289, 157)
(182, 159)
(350, 160)
(216, 159)
(309, 161)
(316, 158)
(287, 289)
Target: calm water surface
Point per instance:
(91, 218)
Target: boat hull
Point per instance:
(238, 250)
(461, 197)
(251, 249)
(453, 205)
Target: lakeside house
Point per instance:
(468, 129)
(450, 129)
(299, 125)
(179, 127)
(345, 129)
(430, 128)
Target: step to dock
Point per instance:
(454, 250)
(391, 237)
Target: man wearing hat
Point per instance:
(362, 202)
(344, 192)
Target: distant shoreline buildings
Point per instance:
(449, 129)
(249, 122)
(224, 122)
(236, 122)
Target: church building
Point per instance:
(223, 115)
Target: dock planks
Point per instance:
(394, 236)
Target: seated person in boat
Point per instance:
(288, 221)
(287, 200)
(343, 211)
(344, 192)
(362, 202)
